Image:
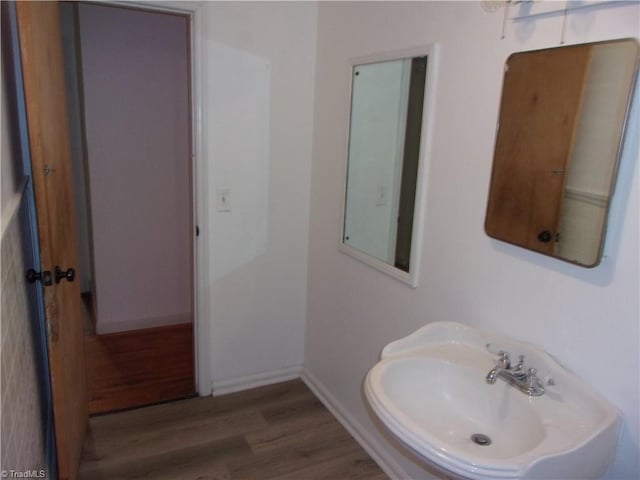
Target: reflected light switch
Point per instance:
(224, 199)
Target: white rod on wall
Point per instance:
(573, 6)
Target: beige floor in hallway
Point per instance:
(280, 431)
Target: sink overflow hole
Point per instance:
(481, 439)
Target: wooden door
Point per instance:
(541, 102)
(44, 87)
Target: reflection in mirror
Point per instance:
(383, 160)
(560, 130)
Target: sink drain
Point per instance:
(481, 439)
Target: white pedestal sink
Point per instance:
(430, 390)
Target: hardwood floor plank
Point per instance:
(285, 411)
(277, 438)
(291, 423)
(291, 458)
(280, 431)
(352, 466)
(117, 447)
(139, 367)
(262, 397)
(154, 416)
(203, 460)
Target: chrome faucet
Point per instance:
(524, 379)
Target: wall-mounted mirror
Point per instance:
(386, 156)
(559, 136)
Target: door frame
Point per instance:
(199, 175)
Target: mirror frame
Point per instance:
(426, 140)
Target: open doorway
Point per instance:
(128, 89)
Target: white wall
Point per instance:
(258, 299)
(587, 318)
(135, 73)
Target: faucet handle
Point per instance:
(534, 387)
(504, 361)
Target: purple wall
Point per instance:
(136, 91)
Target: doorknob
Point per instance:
(69, 274)
(544, 236)
(45, 276)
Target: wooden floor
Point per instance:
(280, 431)
(139, 367)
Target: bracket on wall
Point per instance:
(549, 10)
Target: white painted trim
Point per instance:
(426, 140)
(585, 196)
(426, 145)
(202, 320)
(238, 384)
(375, 450)
(377, 263)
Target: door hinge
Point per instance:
(45, 277)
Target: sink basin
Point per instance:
(429, 389)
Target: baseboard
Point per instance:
(222, 387)
(375, 450)
(106, 328)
